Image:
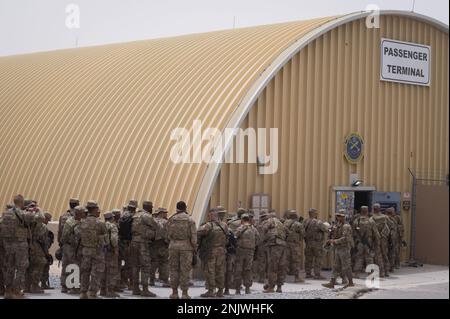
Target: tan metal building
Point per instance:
(96, 122)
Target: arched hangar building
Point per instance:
(96, 122)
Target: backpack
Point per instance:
(125, 227)
(88, 233)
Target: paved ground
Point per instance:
(406, 283)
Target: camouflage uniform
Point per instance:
(159, 253)
(45, 283)
(111, 274)
(2, 262)
(382, 249)
(295, 234)
(260, 265)
(15, 232)
(144, 231)
(401, 230)
(366, 239)
(182, 234)
(315, 231)
(93, 242)
(38, 252)
(233, 225)
(273, 234)
(71, 244)
(216, 235)
(62, 221)
(393, 242)
(124, 253)
(247, 239)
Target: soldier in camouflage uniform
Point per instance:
(109, 279)
(73, 202)
(341, 241)
(14, 231)
(382, 249)
(45, 279)
(159, 250)
(116, 214)
(215, 233)
(233, 225)
(71, 243)
(124, 245)
(393, 238)
(38, 252)
(366, 239)
(247, 238)
(273, 234)
(260, 265)
(401, 242)
(93, 243)
(182, 234)
(143, 232)
(295, 234)
(315, 235)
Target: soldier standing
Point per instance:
(366, 238)
(71, 243)
(315, 235)
(401, 242)
(260, 260)
(159, 250)
(273, 234)
(341, 241)
(295, 234)
(73, 202)
(15, 232)
(247, 238)
(116, 215)
(109, 280)
(182, 234)
(93, 241)
(393, 238)
(45, 280)
(233, 225)
(38, 252)
(125, 226)
(144, 229)
(381, 251)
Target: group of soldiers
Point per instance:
(130, 246)
(24, 242)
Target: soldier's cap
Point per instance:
(245, 216)
(108, 215)
(28, 202)
(181, 206)
(263, 214)
(364, 207)
(80, 208)
(341, 212)
(376, 205)
(221, 209)
(161, 210)
(74, 201)
(124, 207)
(9, 206)
(312, 210)
(91, 204)
(293, 212)
(132, 203)
(115, 211)
(48, 215)
(251, 213)
(39, 217)
(147, 203)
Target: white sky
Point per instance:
(40, 25)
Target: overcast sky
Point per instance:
(40, 25)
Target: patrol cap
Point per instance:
(221, 209)
(75, 201)
(48, 215)
(364, 207)
(376, 205)
(292, 213)
(181, 206)
(133, 203)
(264, 214)
(312, 211)
(341, 212)
(91, 204)
(147, 203)
(240, 211)
(80, 208)
(108, 215)
(161, 210)
(245, 217)
(115, 211)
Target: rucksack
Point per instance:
(125, 227)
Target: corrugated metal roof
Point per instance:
(95, 122)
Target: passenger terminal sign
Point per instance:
(405, 62)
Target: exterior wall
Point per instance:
(329, 89)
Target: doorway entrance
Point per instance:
(363, 198)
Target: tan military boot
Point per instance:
(174, 294)
(209, 294)
(238, 291)
(92, 295)
(18, 294)
(147, 293)
(247, 290)
(279, 288)
(185, 295)
(226, 292)
(219, 293)
(268, 289)
(83, 295)
(344, 280)
(330, 284)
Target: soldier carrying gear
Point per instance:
(233, 225)
(110, 276)
(147, 206)
(341, 240)
(222, 213)
(294, 238)
(38, 252)
(216, 233)
(45, 279)
(73, 202)
(382, 249)
(315, 235)
(182, 235)
(125, 226)
(273, 234)
(159, 249)
(93, 244)
(247, 238)
(144, 229)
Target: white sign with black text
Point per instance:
(405, 62)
